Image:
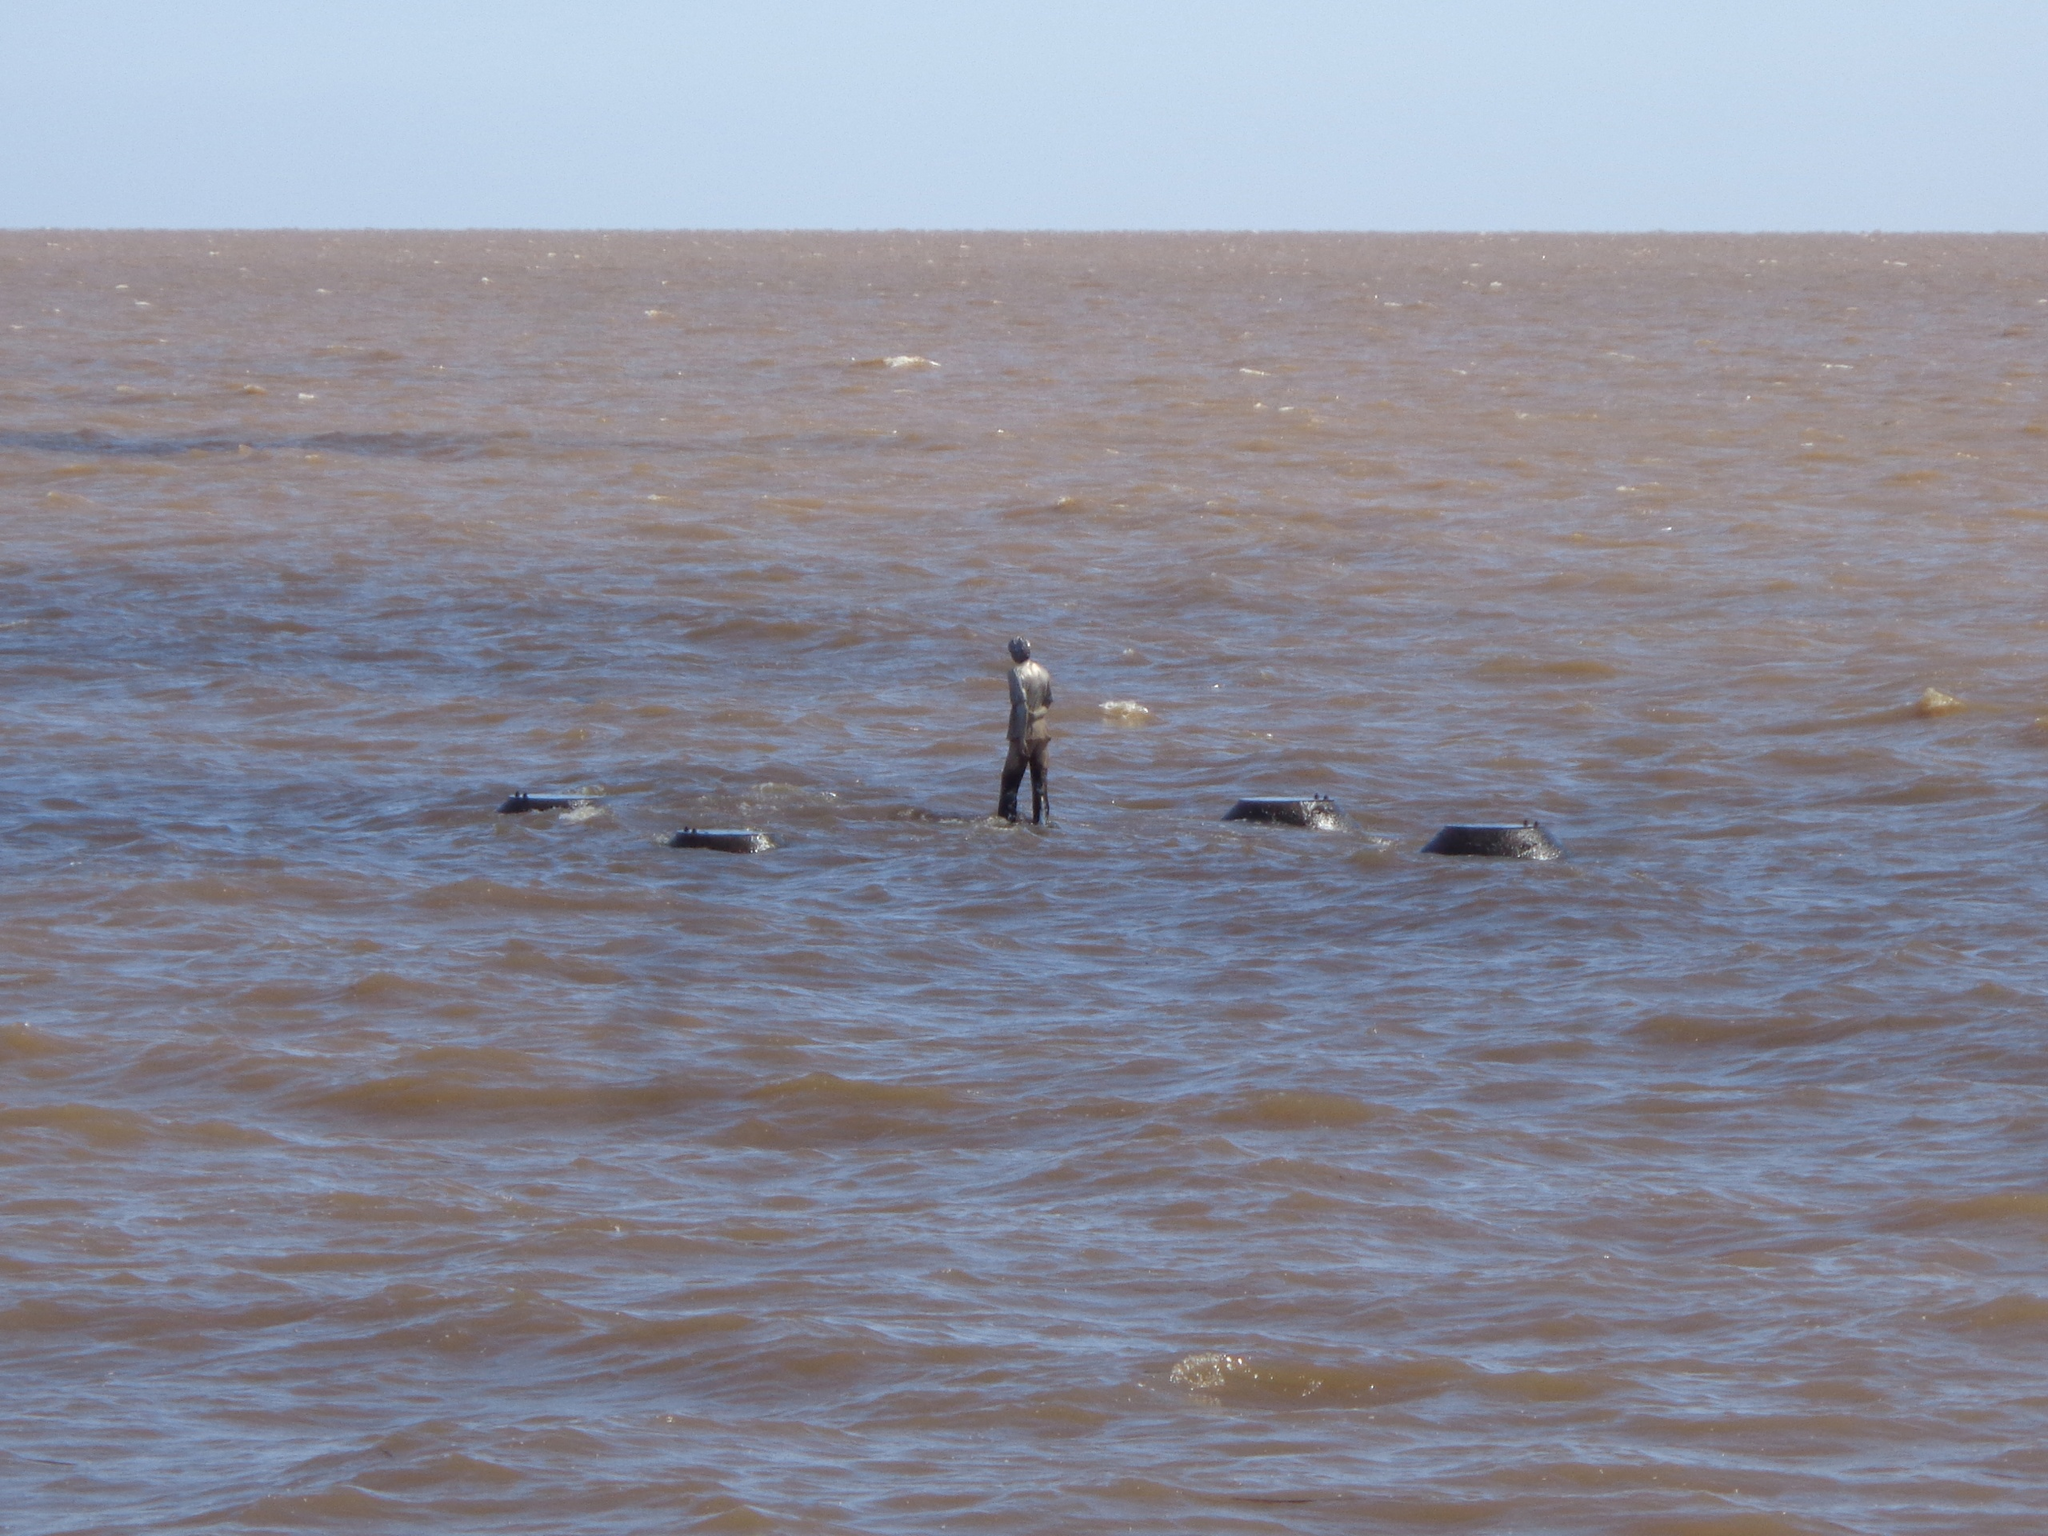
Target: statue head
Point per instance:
(1020, 649)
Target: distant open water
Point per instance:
(375, 1162)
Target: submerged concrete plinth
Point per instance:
(1496, 840)
(542, 800)
(1317, 811)
(724, 840)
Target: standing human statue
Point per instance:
(1030, 735)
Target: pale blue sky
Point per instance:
(1115, 114)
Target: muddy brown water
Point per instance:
(375, 1162)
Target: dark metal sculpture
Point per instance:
(724, 840)
(1030, 735)
(542, 800)
(1496, 840)
(1317, 811)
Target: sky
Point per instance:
(1113, 114)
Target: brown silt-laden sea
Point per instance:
(370, 1160)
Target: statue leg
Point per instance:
(1013, 775)
(1041, 789)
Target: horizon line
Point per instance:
(982, 230)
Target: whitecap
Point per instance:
(1206, 1372)
(1933, 701)
(775, 789)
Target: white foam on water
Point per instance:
(1933, 701)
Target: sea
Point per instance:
(373, 1161)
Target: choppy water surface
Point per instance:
(372, 1161)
